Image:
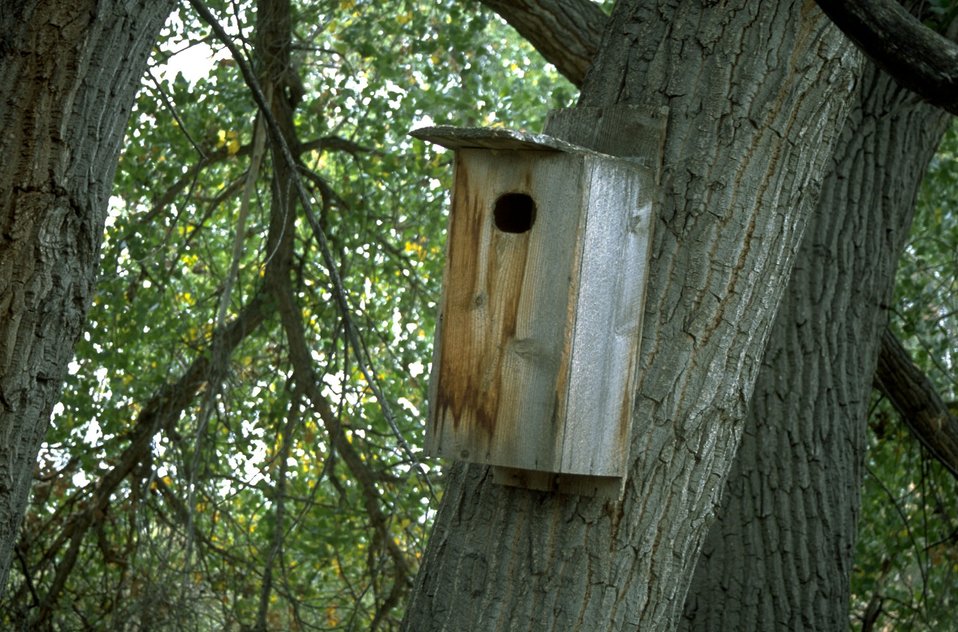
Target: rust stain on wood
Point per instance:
(485, 282)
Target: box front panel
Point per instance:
(501, 365)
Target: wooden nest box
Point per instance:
(536, 350)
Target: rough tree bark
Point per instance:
(756, 98)
(69, 70)
(566, 33)
(780, 555)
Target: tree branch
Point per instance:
(323, 144)
(340, 297)
(916, 56)
(915, 398)
(307, 380)
(566, 32)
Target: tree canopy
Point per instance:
(237, 445)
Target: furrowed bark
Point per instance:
(69, 71)
(566, 32)
(780, 555)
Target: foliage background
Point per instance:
(907, 555)
(183, 487)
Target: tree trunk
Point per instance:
(780, 555)
(756, 99)
(69, 70)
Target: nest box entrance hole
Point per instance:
(514, 212)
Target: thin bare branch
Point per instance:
(159, 414)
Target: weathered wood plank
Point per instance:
(607, 328)
(490, 138)
(633, 132)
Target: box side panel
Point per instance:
(608, 327)
(498, 382)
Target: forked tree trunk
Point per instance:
(756, 95)
(780, 555)
(816, 382)
(69, 70)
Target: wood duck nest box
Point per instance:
(536, 350)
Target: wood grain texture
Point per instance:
(608, 318)
(490, 354)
